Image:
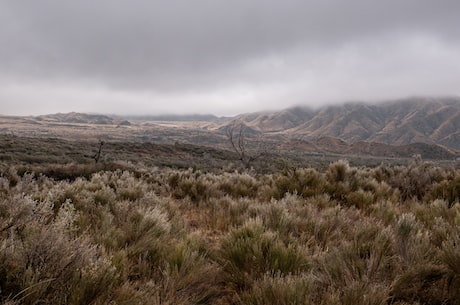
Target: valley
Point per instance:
(389, 133)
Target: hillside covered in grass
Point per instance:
(149, 235)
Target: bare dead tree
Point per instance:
(96, 156)
(236, 135)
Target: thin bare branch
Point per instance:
(237, 139)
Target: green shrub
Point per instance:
(305, 182)
(360, 199)
(341, 235)
(450, 257)
(416, 180)
(338, 171)
(423, 284)
(238, 185)
(191, 185)
(448, 190)
(189, 278)
(280, 289)
(47, 261)
(251, 251)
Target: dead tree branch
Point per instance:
(236, 135)
(96, 156)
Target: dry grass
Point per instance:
(87, 234)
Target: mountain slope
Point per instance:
(401, 122)
(81, 118)
(276, 121)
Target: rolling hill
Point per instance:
(81, 118)
(395, 129)
(401, 122)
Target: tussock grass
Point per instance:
(103, 234)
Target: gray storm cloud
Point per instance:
(221, 56)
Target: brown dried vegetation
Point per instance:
(103, 234)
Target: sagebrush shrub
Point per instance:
(281, 289)
(339, 235)
(252, 251)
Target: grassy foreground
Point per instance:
(87, 234)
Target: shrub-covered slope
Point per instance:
(343, 235)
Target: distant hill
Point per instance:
(82, 118)
(174, 118)
(395, 129)
(401, 122)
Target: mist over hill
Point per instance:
(395, 129)
(399, 122)
(174, 117)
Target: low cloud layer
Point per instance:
(222, 57)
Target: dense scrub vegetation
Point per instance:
(85, 234)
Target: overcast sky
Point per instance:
(220, 56)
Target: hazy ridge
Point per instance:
(401, 128)
(401, 122)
